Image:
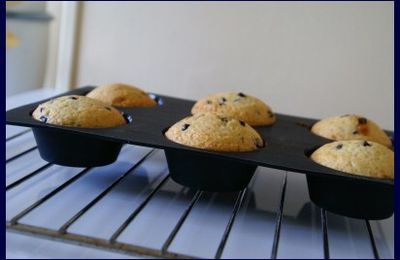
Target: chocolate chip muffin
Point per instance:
(237, 105)
(357, 157)
(122, 95)
(351, 127)
(216, 133)
(78, 111)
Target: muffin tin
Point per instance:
(289, 142)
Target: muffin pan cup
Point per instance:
(358, 199)
(288, 143)
(72, 149)
(201, 172)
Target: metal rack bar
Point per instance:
(275, 245)
(15, 219)
(13, 225)
(325, 234)
(81, 240)
(238, 204)
(64, 227)
(136, 211)
(17, 135)
(28, 176)
(21, 154)
(62, 235)
(372, 239)
(182, 219)
(112, 244)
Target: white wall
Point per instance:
(309, 59)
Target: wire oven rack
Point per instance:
(133, 207)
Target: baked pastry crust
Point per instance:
(122, 95)
(78, 111)
(351, 127)
(357, 157)
(237, 105)
(212, 132)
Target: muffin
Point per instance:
(216, 133)
(351, 127)
(357, 157)
(122, 95)
(237, 105)
(78, 111)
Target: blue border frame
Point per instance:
(396, 126)
(3, 127)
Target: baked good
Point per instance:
(351, 127)
(359, 157)
(78, 111)
(212, 132)
(122, 95)
(237, 105)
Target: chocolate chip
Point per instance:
(156, 99)
(355, 132)
(366, 144)
(108, 108)
(185, 126)
(362, 120)
(43, 119)
(74, 98)
(240, 94)
(224, 119)
(128, 118)
(242, 123)
(270, 113)
(223, 99)
(339, 146)
(304, 125)
(41, 109)
(209, 102)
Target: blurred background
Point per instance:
(312, 59)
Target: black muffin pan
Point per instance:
(289, 142)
